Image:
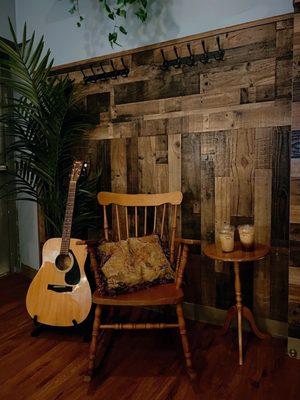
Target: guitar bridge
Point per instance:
(60, 288)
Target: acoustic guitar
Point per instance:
(60, 294)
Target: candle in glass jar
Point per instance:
(226, 236)
(246, 233)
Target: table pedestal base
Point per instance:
(247, 314)
(238, 256)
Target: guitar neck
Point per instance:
(66, 234)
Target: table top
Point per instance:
(215, 252)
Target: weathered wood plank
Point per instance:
(146, 165)
(167, 86)
(118, 161)
(284, 78)
(294, 201)
(223, 142)
(222, 203)
(280, 187)
(262, 218)
(279, 286)
(262, 223)
(253, 73)
(263, 148)
(242, 172)
(294, 260)
(191, 185)
(183, 103)
(125, 129)
(103, 165)
(174, 162)
(260, 115)
(96, 104)
(207, 190)
(262, 288)
(132, 162)
(118, 165)
(165, 126)
(266, 114)
(284, 42)
(262, 205)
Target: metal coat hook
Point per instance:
(68, 76)
(178, 59)
(191, 57)
(165, 64)
(84, 76)
(125, 71)
(104, 73)
(221, 52)
(204, 57)
(93, 72)
(114, 69)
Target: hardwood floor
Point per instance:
(139, 365)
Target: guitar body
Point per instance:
(60, 296)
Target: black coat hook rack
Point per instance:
(114, 73)
(192, 59)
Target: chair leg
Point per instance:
(93, 346)
(185, 343)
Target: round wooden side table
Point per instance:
(237, 256)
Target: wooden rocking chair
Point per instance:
(161, 295)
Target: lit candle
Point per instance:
(246, 233)
(226, 236)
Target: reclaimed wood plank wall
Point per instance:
(294, 262)
(220, 133)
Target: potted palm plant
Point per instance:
(44, 121)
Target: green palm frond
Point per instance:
(44, 122)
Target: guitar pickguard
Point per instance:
(72, 277)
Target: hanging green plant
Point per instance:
(115, 10)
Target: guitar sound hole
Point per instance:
(63, 262)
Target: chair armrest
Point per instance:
(89, 242)
(190, 242)
(182, 257)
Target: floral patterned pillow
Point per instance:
(133, 264)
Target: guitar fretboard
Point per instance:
(66, 234)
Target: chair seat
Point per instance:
(156, 295)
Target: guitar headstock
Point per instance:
(77, 170)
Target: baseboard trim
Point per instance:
(216, 316)
(29, 272)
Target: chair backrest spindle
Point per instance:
(154, 219)
(142, 200)
(105, 223)
(126, 221)
(136, 227)
(173, 233)
(145, 220)
(118, 222)
(163, 221)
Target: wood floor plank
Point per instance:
(139, 365)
